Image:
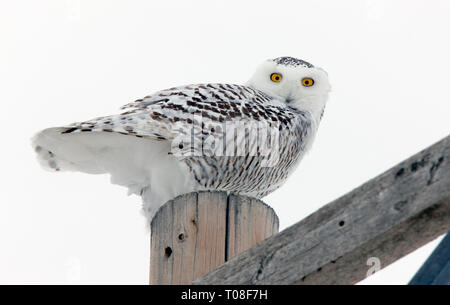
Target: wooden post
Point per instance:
(197, 232)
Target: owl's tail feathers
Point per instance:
(58, 151)
(131, 161)
(143, 165)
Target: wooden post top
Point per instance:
(197, 232)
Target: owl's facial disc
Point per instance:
(294, 81)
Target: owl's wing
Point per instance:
(160, 115)
(130, 144)
(135, 147)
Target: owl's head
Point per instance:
(296, 82)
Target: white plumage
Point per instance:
(234, 138)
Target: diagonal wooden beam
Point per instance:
(378, 222)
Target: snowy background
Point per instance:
(65, 61)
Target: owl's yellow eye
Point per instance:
(307, 82)
(276, 77)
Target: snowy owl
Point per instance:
(241, 139)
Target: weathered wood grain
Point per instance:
(197, 232)
(386, 218)
(249, 222)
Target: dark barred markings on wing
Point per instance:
(213, 93)
(154, 116)
(204, 111)
(249, 173)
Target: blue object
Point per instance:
(436, 269)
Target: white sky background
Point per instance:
(66, 61)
